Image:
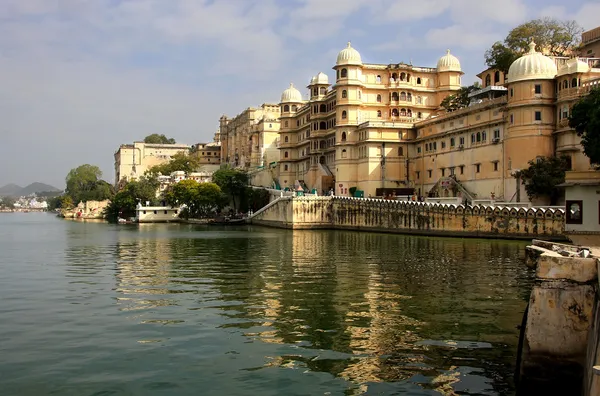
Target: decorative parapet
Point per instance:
(371, 214)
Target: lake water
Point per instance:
(98, 309)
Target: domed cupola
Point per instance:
(532, 66)
(320, 79)
(574, 66)
(448, 63)
(291, 95)
(349, 56)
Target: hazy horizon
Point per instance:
(82, 78)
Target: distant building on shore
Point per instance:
(132, 160)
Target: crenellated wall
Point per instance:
(413, 217)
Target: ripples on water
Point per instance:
(97, 309)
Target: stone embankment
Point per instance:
(417, 218)
(560, 336)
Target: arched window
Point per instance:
(566, 84)
(574, 82)
(472, 138)
(344, 115)
(322, 144)
(419, 100)
(483, 136)
(286, 139)
(285, 155)
(403, 96)
(403, 112)
(419, 115)
(344, 94)
(402, 76)
(478, 137)
(344, 73)
(344, 152)
(315, 91)
(285, 124)
(323, 90)
(323, 108)
(378, 113)
(409, 97)
(294, 107)
(343, 136)
(379, 98)
(409, 113)
(378, 78)
(285, 167)
(395, 113)
(394, 76)
(395, 96)
(496, 77)
(488, 80)
(452, 142)
(323, 125)
(286, 108)
(400, 151)
(418, 80)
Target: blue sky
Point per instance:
(80, 77)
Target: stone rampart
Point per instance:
(413, 217)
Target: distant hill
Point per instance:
(17, 191)
(10, 190)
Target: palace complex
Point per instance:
(380, 129)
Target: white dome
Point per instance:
(532, 66)
(448, 62)
(349, 56)
(574, 66)
(320, 78)
(291, 95)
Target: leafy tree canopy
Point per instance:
(232, 182)
(201, 199)
(460, 99)
(552, 37)
(125, 201)
(178, 162)
(7, 202)
(585, 119)
(84, 184)
(542, 176)
(155, 138)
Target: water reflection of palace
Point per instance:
(143, 270)
(374, 297)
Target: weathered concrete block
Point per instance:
(554, 266)
(560, 315)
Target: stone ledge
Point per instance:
(552, 265)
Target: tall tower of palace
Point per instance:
(449, 73)
(348, 70)
(291, 100)
(531, 118)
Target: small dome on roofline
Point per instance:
(448, 62)
(532, 66)
(291, 95)
(349, 56)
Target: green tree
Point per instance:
(542, 176)
(155, 138)
(84, 184)
(200, 199)
(585, 119)
(7, 202)
(179, 162)
(460, 99)
(66, 202)
(125, 201)
(232, 182)
(257, 198)
(552, 37)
